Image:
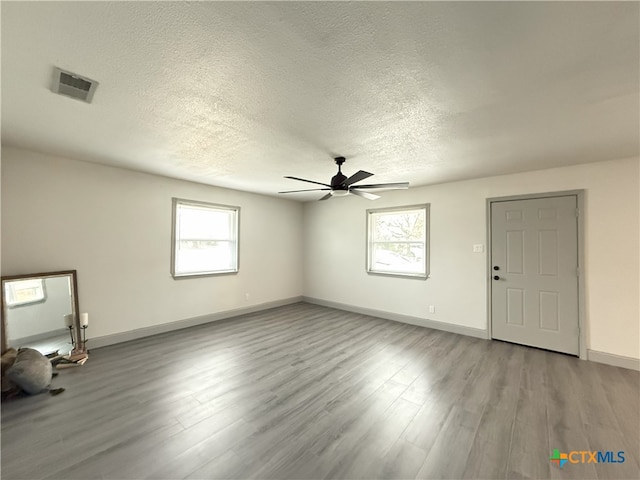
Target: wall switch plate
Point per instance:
(478, 248)
(432, 309)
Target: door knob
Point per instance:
(496, 277)
(496, 267)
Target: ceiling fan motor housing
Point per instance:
(338, 179)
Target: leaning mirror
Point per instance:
(37, 310)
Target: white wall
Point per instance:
(114, 227)
(335, 250)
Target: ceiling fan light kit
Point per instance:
(341, 186)
(339, 193)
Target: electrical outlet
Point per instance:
(478, 248)
(432, 309)
(246, 297)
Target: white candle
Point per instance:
(68, 320)
(84, 319)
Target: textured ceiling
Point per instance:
(240, 94)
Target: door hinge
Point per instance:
(578, 272)
(577, 212)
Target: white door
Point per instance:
(534, 261)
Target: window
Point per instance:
(397, 241)
(24, 292)
(205, 238)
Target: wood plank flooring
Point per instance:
(306, 392)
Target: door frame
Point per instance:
(579, 194)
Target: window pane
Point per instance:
(398, 257)
(205, 239)
(197, 222)
(399, 226)
(193, 257)
(397, 241)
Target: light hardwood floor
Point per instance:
(305, 391)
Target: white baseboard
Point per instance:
(613, 359)
(397, 317)
(97, 342)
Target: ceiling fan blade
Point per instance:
(309, 190)
(367, 195)
(356, 177)
(398, 185)
(309, 181)
(326, 197)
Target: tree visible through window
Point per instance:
(205, 239)
(397, 241)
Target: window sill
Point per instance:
(417, 276)
(181, 276)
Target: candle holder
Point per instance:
(84, 338)
(80, 348)
(69, 320)
(73, 342)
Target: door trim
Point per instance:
(579, 194)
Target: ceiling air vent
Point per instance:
(72, 85)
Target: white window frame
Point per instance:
(12, 288)
(371, 213)
(234, 237)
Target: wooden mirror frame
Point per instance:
(74, 302)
